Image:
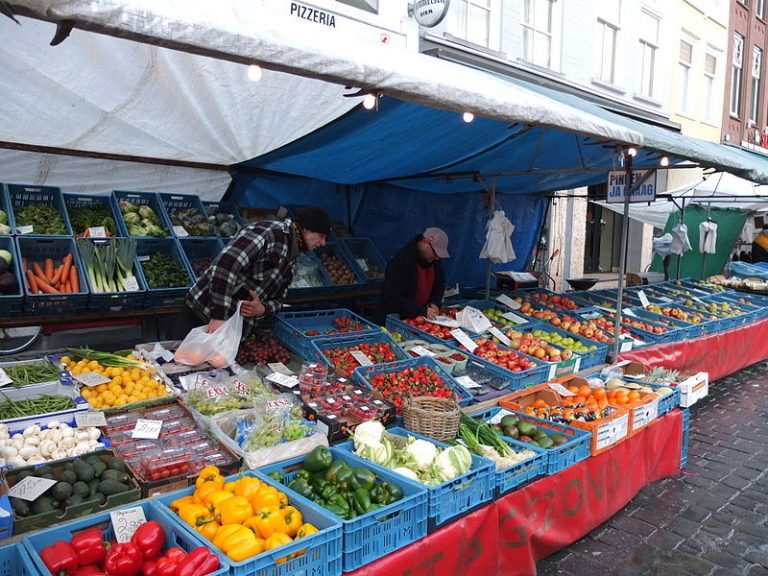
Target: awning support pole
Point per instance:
(623, 256)
(491, 205)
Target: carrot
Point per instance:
(31, 282)
(38, 271)
(74, 280)
(66, 264)
(64, 287)
(49, 268)
(25, 263)
(58, 277)
(48, 289)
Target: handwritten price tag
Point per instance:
(126, 522)
(283, 379)
(131, 284)
(508, 302)
(628, 312)
(467, 382)
(97, 232)
(560, 389)
(361, 358)
(421, 351)
(502, 338)
(4, 378)
(280, 368)
(180, 231)
(463, 339)
(362, 263)
(90, 418)
(514, 318)
(147, 429)
(25, 229)
(31, 488)
(643, 299)
(91, 378)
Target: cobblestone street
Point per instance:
(712, 519)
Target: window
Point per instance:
(475, 21)
(737, 64)
(608, 25)
(760, 8)
(710, 71)
(367, 5)
(538, 32)
(754, 88)
(649, 44)
(684, 90)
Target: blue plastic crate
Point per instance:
(588, 359)
(172, 203)
(196, 249)
(10, 304)
(406, 331)
(375, 534)
(452, 499)
(139, 199)
(37, 249)
(20, 195)
(175, 535)
(686, 437)
(291, 328)
(560, 457)
(368, 258)
(162, 297)
(320, 345)
(682, 330)
(5, 206)
(530, 295)
(75, 201)
(213, 208)
(759, 303)
(16, 561)
(336, 249)
(322, 556)
(749, 312)
(116, 301)
(363, 374)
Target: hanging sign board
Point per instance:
(642, 183)
(429, 13)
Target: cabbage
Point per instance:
(5, 255)
(5, 229)
(407, 472)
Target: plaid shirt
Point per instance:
(262, 258)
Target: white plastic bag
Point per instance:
(218, 349)
(472, 319)
(498, 245)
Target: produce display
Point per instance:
(109, 265)
(420, 322)
(84, 218)
(242, 518)
(539, 345)
(419, 381)
(213, 398)
(44, 404)
(192, 221)
(262, 348)
(343, 490)
(589, 329)
(484, 440)
(338, 272)
(9, 284)
(340, 325)
(35, 372)
(512, 426)
(553, 300)
(142, 220)
(504, 357)
(43, 218)
(345, 363)
(678, 314)
(36, 445)
(4, 228)
(497, 317)
(570, 344)
(88, 554)
(164, 271)
(45, 277)
(224, 223)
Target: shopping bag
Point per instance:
(473, 320)
(218, 349)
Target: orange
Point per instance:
(585, 390)
(540, 404)
(573, 388)
(633, 395)
(599, 393)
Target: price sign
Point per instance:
(552, 372)
(97, 232)
(159, 352)
(628, 312)
(463, 339)
(131, 284)
(362, 263)
(277, 405)
(283, 379)
(514, 318)
(180, 231)
(560, 389)
(645, 414)
(214, 391)
(361, 358)
(147, 429)
(626, 345)
(4, 378)
(502, 338)
(508, 302)
(643, 299)
(144, 258)
(243, 389)
(31, 488)
(126, 522)
(25, 229)
(90, 418)
(92, 378)
(611, 310)
(421, 351)
(467, 382)
(280, 368)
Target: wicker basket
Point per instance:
(436, 418)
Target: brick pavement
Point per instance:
(713, 519)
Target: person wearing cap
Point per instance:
(256, 269)
(760, 246)
(413, 280)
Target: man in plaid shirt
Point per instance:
(256, 268)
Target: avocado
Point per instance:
(526, 429)
(509, 420)
(511, 431)
(546, 442)
(68, 476)
(73, 500)
(110, 487)
(116, 475)
(69, 466)
(24, 474)
(42, 505)
(559, 439)
(84, 471)
(41, 471)
(99, 468)
(20, 507)
(93, 486)
(117, 464)
(61, 491)
(80, 489)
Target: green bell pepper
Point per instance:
(320, 458)
(277, 476)
(304, 475)
(328, 492)
(362, 500)
(364, 477)
(333, 509)
(333, 470)
(393, 490)
(341, 502)
(300, 486)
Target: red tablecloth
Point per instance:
(508, 536)
(720, 354)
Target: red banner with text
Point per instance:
(509, 535)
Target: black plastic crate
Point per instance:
(139, 199)
(174, 203)
(77, 201)
(20, 195)
(196, 249)
(163, 297)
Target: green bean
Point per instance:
(32, 373)
(33, 406)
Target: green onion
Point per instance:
(107, 359)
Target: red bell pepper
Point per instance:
(199, 562)
(149, 568)
(89, 546)
(60, 558)
(123, 560)
(166, 566)
(150, 539)
(89, 570)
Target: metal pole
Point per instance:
(623, 255)
(680, 257)
(491, 204)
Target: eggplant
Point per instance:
(8, 283)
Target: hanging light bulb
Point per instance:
(254, 73)
(369, 102)
(468, 117)
(632, 152)
(664, 161)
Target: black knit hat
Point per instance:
(315, 219)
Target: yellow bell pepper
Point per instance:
(235, 510)
(275, 541)
(267, 497)
(209, 530)
(267, 521)
(179, 502)
(210, 474)
(304, 531)
(246, 550)
(195, 514)
(203, 492)
(293, 520)
(238, 541)
(225, 532)
(215, 499)
(230, 487)
(247, 486)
